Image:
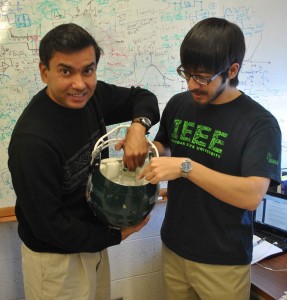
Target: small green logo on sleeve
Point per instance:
(272, 160)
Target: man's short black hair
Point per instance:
(212, 45)
(66, 38)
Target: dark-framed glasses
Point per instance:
(199, 79)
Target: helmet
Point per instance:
(116, 196)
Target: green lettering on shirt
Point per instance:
(199, 136)
(186, 131)
(217, 141)
(176, 124)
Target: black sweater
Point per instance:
(49, 158)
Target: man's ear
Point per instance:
(43, 72)
(233, 70)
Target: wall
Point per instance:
(11, 282)
(141, 41)
(136, 263)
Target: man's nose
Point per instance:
(78, 82)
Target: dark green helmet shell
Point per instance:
(122, 200)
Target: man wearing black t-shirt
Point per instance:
(222, 151)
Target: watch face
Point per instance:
(186, 166)
(146, 122)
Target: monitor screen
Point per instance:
(272, 211)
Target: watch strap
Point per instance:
(143, 121)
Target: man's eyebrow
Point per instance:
(91, 64)
(70, 67)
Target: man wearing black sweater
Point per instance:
(64, 245)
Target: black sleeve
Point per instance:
(120, 104)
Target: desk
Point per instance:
(269, 284)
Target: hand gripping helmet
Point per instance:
(117, 197)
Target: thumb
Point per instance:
(120, 145)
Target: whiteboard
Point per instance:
(141, 40)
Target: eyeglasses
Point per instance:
(199, 79)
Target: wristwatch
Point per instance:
(144, 121)
(185, 167)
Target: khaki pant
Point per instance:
(52, 276)
(188, 280)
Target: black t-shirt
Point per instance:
(238, 138)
